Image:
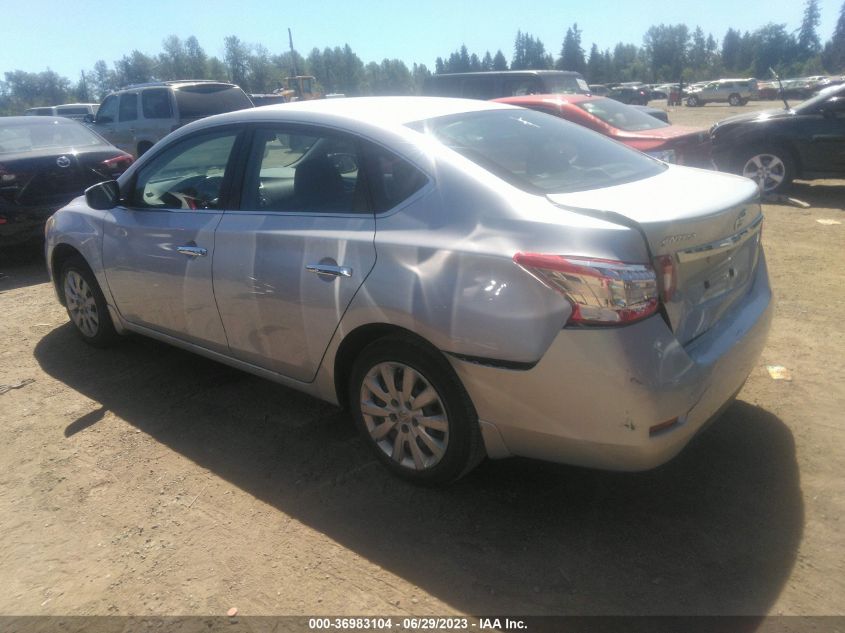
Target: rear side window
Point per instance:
(155, 103)
(128, 106)
(392, 179)
(203, 100)
(312, 172)
(539, 153)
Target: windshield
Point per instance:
(566, 84)
(621, 116)
(539, 153)
(57, 134)
(814, 102)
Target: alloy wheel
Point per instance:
(767, 170)
(81, 304)
(404, 415)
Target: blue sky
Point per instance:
(71, 36)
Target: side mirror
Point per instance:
(88, 118)
(103, 196)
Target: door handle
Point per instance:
(327, 269)
(192, 251)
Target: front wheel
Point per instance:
(735, 100)
(771, 168)
(412, 410)
(86, 305)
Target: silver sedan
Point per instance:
(469, 279)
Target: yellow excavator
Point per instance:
(300, 88)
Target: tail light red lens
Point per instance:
(119, 163)
(668, 273)
(601, 291)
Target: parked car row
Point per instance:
(76, 111)
(798, 88)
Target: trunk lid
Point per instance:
(707, 223)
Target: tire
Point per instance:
(143, 148)
(734, 100)
(772, 168)
(432, 444)
(86, 305)
(693, 101)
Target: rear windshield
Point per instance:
(539, 153)
(71, 110)
(58, 134)
(202, 100)
(621, 116)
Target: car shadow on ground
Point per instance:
(715, 531)
(22, 266)
(829, 194)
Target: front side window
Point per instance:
(108, 110)
(128, 107)
(304, 171)
(539, 153)
(188, 175)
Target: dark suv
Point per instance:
(136, 117)
(505, 83)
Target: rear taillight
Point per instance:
(118, 163)
(601, 291)
(668, 274)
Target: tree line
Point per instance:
(668, 53)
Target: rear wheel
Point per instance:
(143, 148)
(412, 410)
(772, 168)
(86, 305)
(734, 100)
(693, 101)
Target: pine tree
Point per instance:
(836, 47)
(808, 38)
(571, 53)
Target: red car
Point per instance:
(670, 143)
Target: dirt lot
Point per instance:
(145, 480)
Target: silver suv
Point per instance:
(736, 92)
(136, 117)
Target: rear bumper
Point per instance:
(594, 396)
